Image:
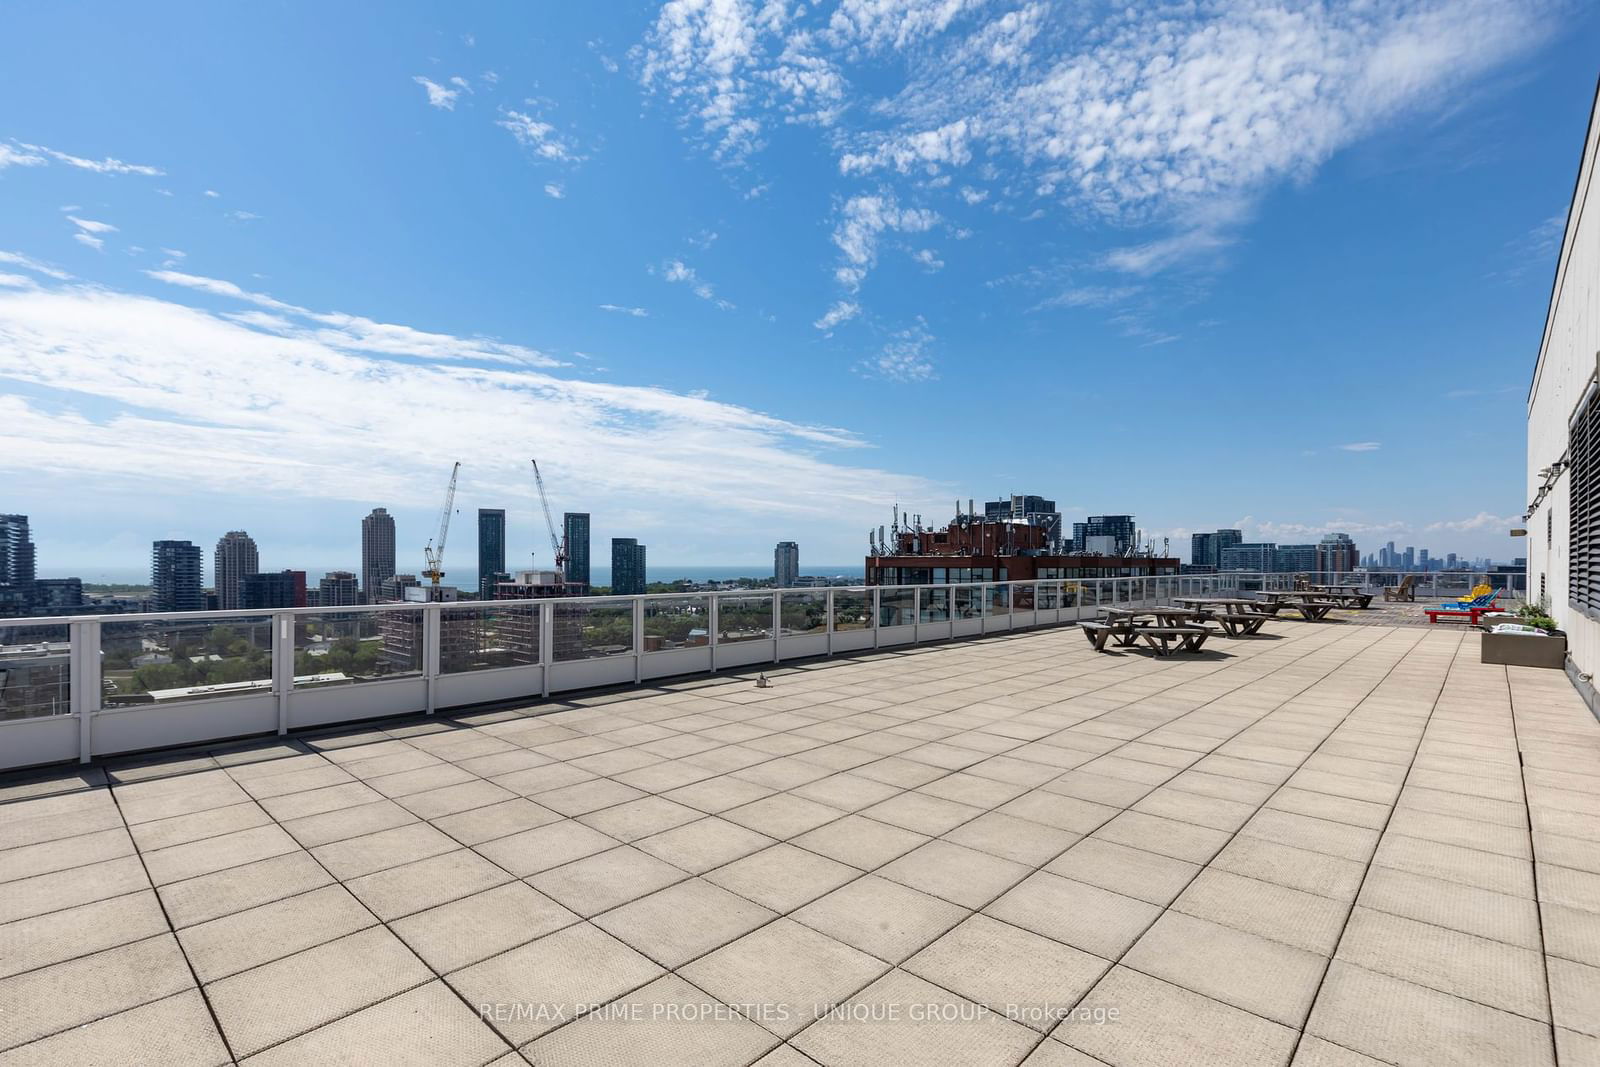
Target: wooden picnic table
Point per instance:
(1125, 625)
(1306, 603)
(1352, 593)
(1237, 616)
(1345, 599)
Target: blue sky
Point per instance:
(738, 272)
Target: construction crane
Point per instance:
(558, 545)
(435, 556)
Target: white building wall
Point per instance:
(1568, 357)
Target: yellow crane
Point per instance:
(435, 556)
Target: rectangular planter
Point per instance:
(1523, 650)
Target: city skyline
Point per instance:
(284, 353)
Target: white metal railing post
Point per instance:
(283, 639)
(828, 605)
(547, 644)
(777, 622)
(638, 640)
(713, 624)
(877, 613)
(83, 682)
(916, 615)
(432, 616)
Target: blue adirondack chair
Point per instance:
(1476, 602)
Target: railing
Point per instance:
(86, 686)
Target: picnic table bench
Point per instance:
(1312, 607)
(1343, 597)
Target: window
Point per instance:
(1583, 545)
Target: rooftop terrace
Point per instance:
(1331, 844)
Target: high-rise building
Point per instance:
(1205, 549)
(175, 577)
(491, 549)
(627, 566)
(1337, 553)
(1114, 532)
(1249, 556)
(1409, 560)
(1295, 558)
(377, 551)
(276, 589)
(236, 556)
(786, 564)
(16, 565)
(575, 529)
(338, 589)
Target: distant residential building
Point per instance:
(1409, 562)
(1205, 549)
(338, 589)
(628, 575)
(393, 588)
(274, 589)
(1295, 558)
(575, 530)
(1249, 556)
(236, 556)
(57, 596)
(1100, 533)
(377, 551)
(1337, 553)
(175, 577)
(491, 549)
(16, 565)
(1028, 508)
(786, 564)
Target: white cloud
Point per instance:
(534, 133)
(727, 64)
(1136, 114)
(861, 223)
(677, 271)
(17, 259)
(1362, 446)
(438, 95)
(904, 359)
(188, 403)
(89, 239)
(638, 313)
(353, 332)
(1091, 296)
(243, 216)
(840, 313)
(17, 281)
(98, 166)
(1482, 521)
(973, 196)
(928, 258)
(15, 157)
(554, 191)
(212, 193)
(91, 226)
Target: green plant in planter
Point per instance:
(1537, 614)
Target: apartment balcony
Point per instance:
(1328, 843)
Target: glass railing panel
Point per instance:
(1049, 596)
(967, 601)
(35, 671)
(852, 609)
(1022, 597)
(172, 660)
(341, 647)
(897, 607)
(998, 601)
(591, 629)
(487, 634)
(803, 613)
(677, 622)
(744, 618)
(935, 605)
